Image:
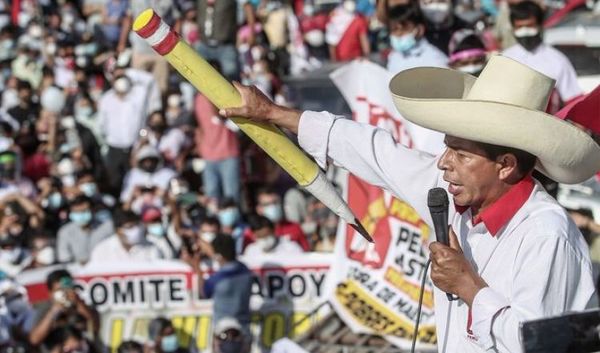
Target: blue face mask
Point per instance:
(229, 217)
(88, 189)
(273, 212)
(55, 200)
(169, 343)
(403, 43)
(81, 218)
(156, 229)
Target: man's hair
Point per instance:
(123, 217)
(80, 200)
(224, 245)
(469, 42)
(405, 13)
(257, 222)
(525, 160)
(58, 336)
(526, 9)
(130, 347)
(266, 190)
(55, 277)
(211, 221)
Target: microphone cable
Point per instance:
(414, 340)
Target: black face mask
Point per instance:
(530, 43)
(231, 346)
(159, 128)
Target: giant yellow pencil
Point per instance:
(166, 42)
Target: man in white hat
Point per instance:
(515, 255)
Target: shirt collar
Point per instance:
(498, 214)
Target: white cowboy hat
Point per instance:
(504, 106)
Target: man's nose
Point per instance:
(444, 161)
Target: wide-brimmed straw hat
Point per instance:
(504, 106)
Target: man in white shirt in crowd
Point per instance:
(121, 115)
(77, 238)
(129, 243)
(409, 46)
(147, 172)
(527, 18)
(514, 253)
(267, 243)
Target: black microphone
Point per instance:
(437, 201)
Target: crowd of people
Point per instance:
(107, 154)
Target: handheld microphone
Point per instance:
(437, 201)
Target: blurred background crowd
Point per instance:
(107, 154)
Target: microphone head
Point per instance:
(437, 198)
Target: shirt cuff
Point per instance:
(486, 306)
(313, 134)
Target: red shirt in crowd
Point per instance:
(214, 141)
(349, 47)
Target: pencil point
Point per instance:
(359, 228)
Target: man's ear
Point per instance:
(508, 168)
(420, 31)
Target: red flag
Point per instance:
(16, 8)
(584, 111)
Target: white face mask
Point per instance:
(46, 256)
(267, 243)
(122, 85)
(436, 12)
(350, 6)
(174, 101)
(208, 236)
(133, 235)
(526, 32)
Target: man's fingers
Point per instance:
(454, 244)
(231, 112)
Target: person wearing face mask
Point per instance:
(230, 287)
(527, 18)
(43, 252)
(409, 46)
(232, 222)
(467, 52)
(228, 337)
(266, 242)
(78, 237)
(346, 33)
(129, 243)
(16, 314)
(440, 22)
(148, 172)
(160, 134)
(26, 110)
(13, 256)
(162, 337)
(65, 303)
(269, 205)
(121, 115)
(156, 232)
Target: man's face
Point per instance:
(529, 22)
(472, 176)
(398, 28)
(265, 200)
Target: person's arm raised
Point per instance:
(258, 107)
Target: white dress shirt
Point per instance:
(423, 54)
(121, 119)
(284, 247)
(533, 257)
(551, 63)
(137, 177)
(112, 250)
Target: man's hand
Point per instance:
(259, 108)
(452, 272)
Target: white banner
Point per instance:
(129, 295)
(377, 285)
